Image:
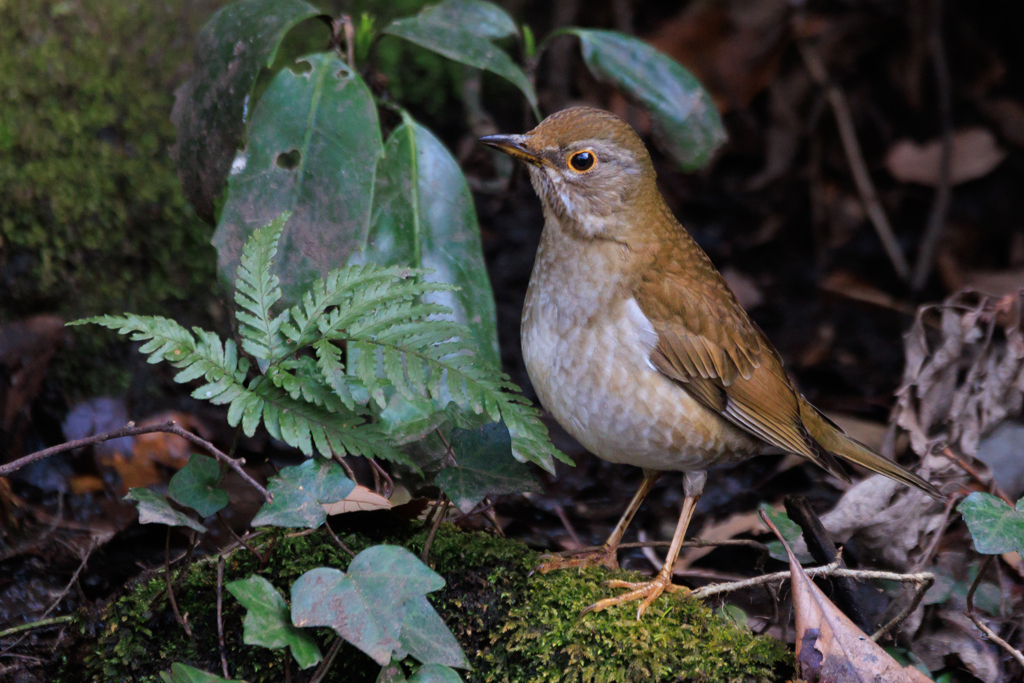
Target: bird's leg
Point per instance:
(648, 591)
(607, 555)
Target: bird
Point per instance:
(636, 345)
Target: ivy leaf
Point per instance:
(268, 621)
(485, 467)
(210, 107)
(426, 637)
(154, 509)
(435, 673)
(424, 217)
(441, 29)
(300, 493)
(183, 673)
(392, 673)
(996, 527)
(196, 486)
(313, 141)
(790, 531)
(366, 605)
(684, 114)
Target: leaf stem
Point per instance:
(1014, 652)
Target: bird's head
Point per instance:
(589, 168)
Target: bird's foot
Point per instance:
(602, 558)
(648, 591)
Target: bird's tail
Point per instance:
(836, 442)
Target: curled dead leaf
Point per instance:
(361, 499)
(975, 154)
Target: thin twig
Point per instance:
(566, 524)
(692, 543)
(926, 558)
(239, 539)
(220, 618)
(338, 541)
(169, 427)
(433, 529)
(920, 589)
(389, 483)
(940, 206)
(41, 623)
(74, 578)
(170, 589)
(345, 466)
(976, 475)
(813, 572)
(492, 517)
(325, 666)
(855, 157)
(1014, 652)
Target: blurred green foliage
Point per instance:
(92, 217)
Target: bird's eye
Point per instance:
(581, 162)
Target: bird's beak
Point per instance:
(513, 145)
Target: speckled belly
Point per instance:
(592, 373)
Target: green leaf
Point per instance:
(484, 19)
(442, 29)
(686, 120)
(367, 605)
(196, 486)
(424, 217)
(268, 620)
(300, 493)
(485, 467)
(426, 637)
(313, 145)
(391, 672)
(996, 527)
(183, 673)
(790, 531)
(154, 509)
(210, 107)
(435, 673)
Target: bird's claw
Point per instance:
(606, 558)
(648, 591)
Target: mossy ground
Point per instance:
(514, 627)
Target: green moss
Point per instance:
(92, 216)
(514, 627)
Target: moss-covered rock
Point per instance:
(514, 627)
(92, 217)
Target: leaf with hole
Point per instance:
(313, 141)
(268, 620)
(485, 467)
(154, 509)
(300, 493)
(210, 107)
(367, 604)
(444, 30)
(687, 124)
(424, 217)
(196, 485)
(995, 526)
(183, 673)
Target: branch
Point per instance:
(692, 543)
(1014, 652)
(855, 157)
(169, 427)
(919, 591)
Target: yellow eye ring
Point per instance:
(583, 161)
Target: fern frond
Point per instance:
(257, 290)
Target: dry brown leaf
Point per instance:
(167, 449)
(829, 647)
(26, 347)
(975, 154)
(361, 499)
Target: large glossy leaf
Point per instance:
(485, 467)
(446, 30)
(423, 216)
(300, 493)
(268, 621)
(365, 605)
(313, 145)
(209, 110)
(686, 119)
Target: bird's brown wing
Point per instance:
(708, 344)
